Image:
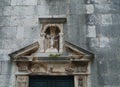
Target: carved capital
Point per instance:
(22, 66)
(61, 34)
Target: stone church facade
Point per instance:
(59, 43)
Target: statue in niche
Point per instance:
(52, 39)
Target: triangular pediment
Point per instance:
(26, 51)
(71, 53)
(78, 52)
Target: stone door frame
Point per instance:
(79, 80)
(77, 63)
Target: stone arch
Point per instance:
(49, 25)
(57, 30)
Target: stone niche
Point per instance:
(74, 61)
(52, 34)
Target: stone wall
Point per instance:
(92, 24)
(106, 43)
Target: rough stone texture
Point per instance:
(89, 8)
(91, 31)
(19, 27)
(106, 19)
(106, 44)
(24, 2)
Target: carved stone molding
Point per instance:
(49, 68)
(70, 68)
(22, 66)
(82, 81)
(22, 81)
(38, 67)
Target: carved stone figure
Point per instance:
(22, 81)
(80, 81)
(38, 67)
(69, 68)
(52, 39)
(22, 66)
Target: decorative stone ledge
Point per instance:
(52, 20)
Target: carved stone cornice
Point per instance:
(73, 62)
(28, 50)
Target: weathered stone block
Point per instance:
(102, 1)
(1, 11)
(91, 31)
(6, 67)
(103, 8)
(24, 2)
(80, 9)
(28, 10)
(5, 51)
(53, 10)
(30, 21)
(5, 3)
(76, 1)
(4, 80)
(0, 67)
(16, 10)
(115, 7)
(89, 8)
(4, 57)
(4, 21)
(1, 43)
(9, 44)
(94, 43)
(60, 9)
(104, 42)
(43, 10)
(7, 10)
(52, 2)
(92, 19)
(109, 31)
(16, 20)
(106, 19)
(75, 8)
(20, 32)
(76, 20)
(41, 2)
(7, 32)
(32, 32)
(23, 10)
(23, 42)
(116, 19)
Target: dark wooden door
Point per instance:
(51, 81)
